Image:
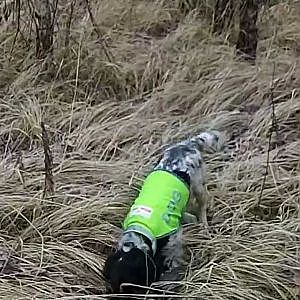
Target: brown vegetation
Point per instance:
(122, 79)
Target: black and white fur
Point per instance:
(134, 261)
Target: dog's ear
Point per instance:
(134, 267)
(106, 269)
(109, 272)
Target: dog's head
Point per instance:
(135, 267)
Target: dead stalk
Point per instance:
(49, 181)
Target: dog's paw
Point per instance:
(174, 274)
(189, 219)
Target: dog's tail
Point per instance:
(210, 141)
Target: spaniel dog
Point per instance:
(173, 194)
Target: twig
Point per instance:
(20, 168)
(18, 8)
(274, 127)
(97, 30)
(68, 25)
(49, 181)
(54, 15)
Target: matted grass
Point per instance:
(168, 78)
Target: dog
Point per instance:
(173, 194)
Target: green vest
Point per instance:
(158, 210)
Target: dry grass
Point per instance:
(168, 77)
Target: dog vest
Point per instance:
(158, 210)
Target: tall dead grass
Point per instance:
(169, 77)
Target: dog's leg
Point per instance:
(199, 200)
(203, 208)
(173, 257)
(200, 203)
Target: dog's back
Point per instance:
(185, 160)
(186, 157)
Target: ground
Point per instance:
(112, 95)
